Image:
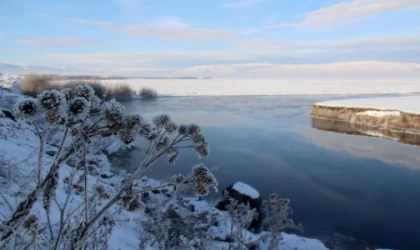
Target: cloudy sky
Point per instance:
(218, 38)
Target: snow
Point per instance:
(410, 104)
(380, 113)
(246, 190)
(238, 87)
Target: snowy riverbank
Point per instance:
(399, 114)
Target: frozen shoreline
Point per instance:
(400, 114)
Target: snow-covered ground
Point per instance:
(18, 156)
(390, 105)
(235, 87)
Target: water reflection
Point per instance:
(356, 129)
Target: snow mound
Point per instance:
(246, 190)
(410, 104)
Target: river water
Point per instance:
(354, 186)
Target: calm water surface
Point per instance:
(362, 187)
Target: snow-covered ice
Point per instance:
(246, 189)
(410, 104)
(237, 87)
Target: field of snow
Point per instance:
(232, 87)
(410, 104)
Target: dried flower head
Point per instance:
(126, 136)
(56, 117)
(27, 108)
(114, 113)
(51, 99)
(198, 139)
(178, 179)
(132, 203)
(273, 196)
(171, 127)
(203, 180)
(100, 190)
(68, 93)
(31, 222)
(79, 108)
(133, 122)
(199, 170)
(84, 91)
(95, 106)
(202, 150)
(194, 128)
(183, 129)
(162, 120)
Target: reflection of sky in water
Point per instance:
(364, 187)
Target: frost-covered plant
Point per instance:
(82, 118)
(277, 219)
(242, 216)
(165, 228)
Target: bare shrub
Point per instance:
(148, 93)
(120, 93)
(33, 85)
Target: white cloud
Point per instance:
(170, 22)
(364, 44)
(395, 49)
(58, 42)
(180, 33)
(243, 3)
(348, 12)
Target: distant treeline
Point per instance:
(89, 77)
(33, 84)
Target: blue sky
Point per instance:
(232, 38)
